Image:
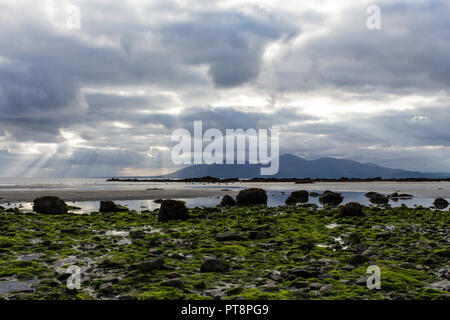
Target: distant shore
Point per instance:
(260, 180)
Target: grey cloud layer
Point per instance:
(163, 54)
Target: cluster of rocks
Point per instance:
(377, 198)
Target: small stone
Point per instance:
(230, 236)
(357, 260)
(299, 284)
(147, 266)
(326, 288)
(270, 287)
(174, 283)
(106, 288)
(315, 286)
(214, 265)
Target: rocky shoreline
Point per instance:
(242, 251)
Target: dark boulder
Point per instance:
(172, 210)
(214, 265)
(301, 196)
(331, 198)
(250, 197)
(440, 203)
(352, 209)
(110, 206)
(291, 200)
(49, 205)
(227, 201)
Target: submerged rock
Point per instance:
(50, 205)
(228, 201)
(110, 206)
(379, 199)
(172, 210)
(214, 265)
(440, 203)
(352, 209)
(250, 197)
(330, 197)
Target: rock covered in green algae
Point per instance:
(172, 210)
(49, 205)
(351, 209)
(251, 197)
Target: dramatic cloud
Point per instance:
(104, 99)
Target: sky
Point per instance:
(102, 97)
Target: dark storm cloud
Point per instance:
(231, 43)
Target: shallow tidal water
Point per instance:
(275, 198)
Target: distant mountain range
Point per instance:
(294, 167)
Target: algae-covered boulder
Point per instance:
(172, 210)
(110, 206)
(251, 197)
(440, 203)
(351, 209)
(227, 201)
(330, 197)
(49, 205)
